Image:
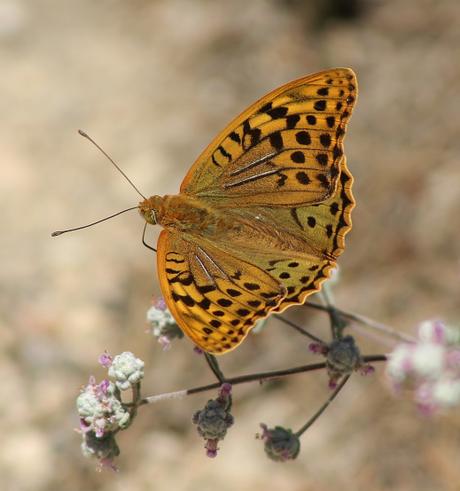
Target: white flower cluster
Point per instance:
(127, 370)
(100, 410)
(430, 366)
(162, 324)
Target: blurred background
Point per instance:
(153, 82)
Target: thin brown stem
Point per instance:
(371, 358)
(260, 376)
(361, 319)
(299, 329)
(323, 407)
(215, 368)
(337, 323)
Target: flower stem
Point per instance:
(299, 329)
(322, 408)
(337, 323)
(361, 319)
(260, 376)
(215, 368)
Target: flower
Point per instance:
(105, 359)
(214, 419)
(211, 448)
(127, 370)
(430, 367)
(162, 324)
(280, 444)
(100, 410)
(342, 358)
(105, 449)
(399, 364)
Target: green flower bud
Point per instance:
(280, 444)
(213, 421)
(343, 356)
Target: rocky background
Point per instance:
(153, 82)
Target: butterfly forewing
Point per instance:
(285, 149)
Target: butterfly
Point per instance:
(261, 215)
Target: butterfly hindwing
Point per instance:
(284, 150)
(214, 297)
(325, 225)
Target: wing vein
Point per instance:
(254, 163)
(251, 178)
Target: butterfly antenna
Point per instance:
(60, 232)
(85, 135)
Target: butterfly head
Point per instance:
(149, 209)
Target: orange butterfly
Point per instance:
(261, 216)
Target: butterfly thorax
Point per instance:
(184, 213)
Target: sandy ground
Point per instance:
(153, 82)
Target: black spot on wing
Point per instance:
(266, 107)
(233, 293)
(325, 140)
(334, 208)
(323, 180)
(252, 286)
(322, 158)
(320, 105)
(206, 288)
(205, 303)
(298, 157)
(277, 112)
(235, 137)
(330, 121)
(311, 221)
(291, 121)
(303, 137)
(224, 302)
(276, 140)
(302, 178)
